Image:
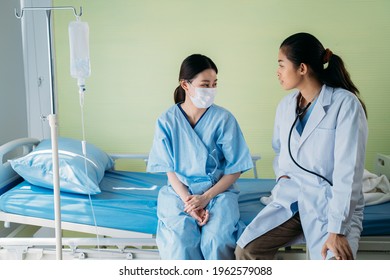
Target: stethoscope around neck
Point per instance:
(300, 112)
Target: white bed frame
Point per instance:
(107, 243)
(104, 243)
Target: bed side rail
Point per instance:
(13, 149)
(382, 165)
(144, 157)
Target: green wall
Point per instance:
(137, 47)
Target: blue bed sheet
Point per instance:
(376, 220)
(128, 201)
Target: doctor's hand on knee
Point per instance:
(338, 244)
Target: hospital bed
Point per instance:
(120, 222)
(122, 217)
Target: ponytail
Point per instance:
(179, 95)
(336, 75)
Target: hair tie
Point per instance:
(328, 53)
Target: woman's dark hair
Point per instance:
(190, 67)
(305, 48)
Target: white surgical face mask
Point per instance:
(204, 97)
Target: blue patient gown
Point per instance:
(199, 156)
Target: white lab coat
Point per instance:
(332, 144)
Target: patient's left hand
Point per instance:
(195, 203)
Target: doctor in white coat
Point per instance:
(320, 137)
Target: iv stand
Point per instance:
(53, 120)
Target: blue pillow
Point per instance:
(37, 166)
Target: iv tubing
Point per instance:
(84, 149)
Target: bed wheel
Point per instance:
(129, 256)
(82, 256)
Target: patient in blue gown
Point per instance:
(201, 148)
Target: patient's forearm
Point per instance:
(222, 185)
(178, 186)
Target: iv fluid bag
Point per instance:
(80, 67)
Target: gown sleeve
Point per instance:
(161, 154)
(234, 147)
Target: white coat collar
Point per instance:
(318, 113)
(324, 98)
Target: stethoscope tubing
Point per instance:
(289, 148)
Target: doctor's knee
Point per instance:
(254, 251)
(240, 253)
